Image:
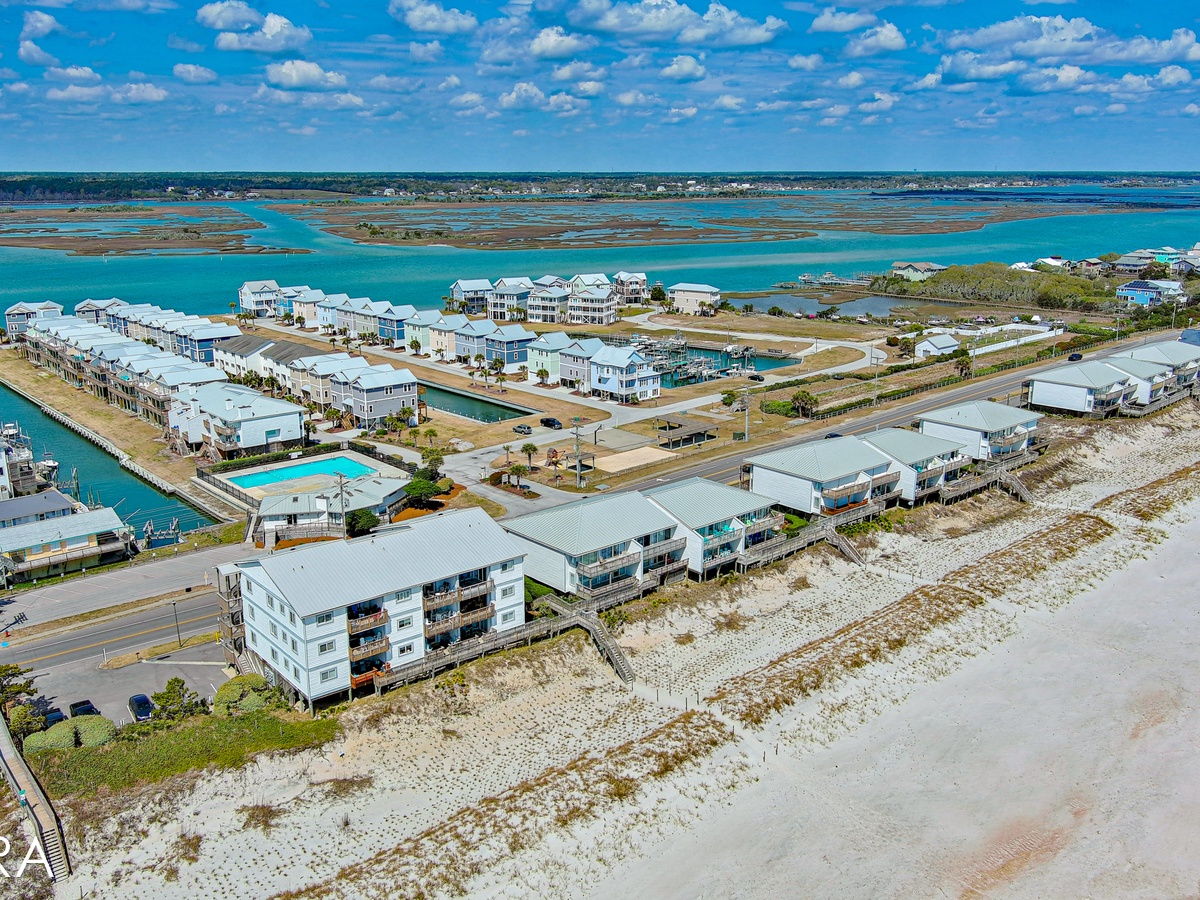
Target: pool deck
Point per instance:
(307, 482)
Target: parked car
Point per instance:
(833, 434)
(1075, 357)
(83, 708)
(551, 423)
(755, 376)
(141, 708)
(54, 715)
(523, 429)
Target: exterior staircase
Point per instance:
(844, 547)
(1015, 486)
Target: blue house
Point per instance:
(391, 323)
(18, 316)
(472, 295)
(1150, 293)
(469, 340)
(509, 343)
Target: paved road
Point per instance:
(133, 631)
(77, 595)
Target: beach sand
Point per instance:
(1005, 707)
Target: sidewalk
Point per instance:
(87, 593)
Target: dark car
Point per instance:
(1075, 357)
(83, 708)
(54, 715)
(523, 429)
(141, 708)
(756, 377)
(834, 434)
(550, 423)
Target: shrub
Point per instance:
(496, 479)
(94, 731)
(254, 703)
(779, 408)
(237, 695)
(446, 485)
(57, 737)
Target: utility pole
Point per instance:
(746, 427)
(578, 461)
(875, 359)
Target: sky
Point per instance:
(599, 85)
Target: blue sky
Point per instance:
(598, 85)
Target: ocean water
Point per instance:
(207, 284)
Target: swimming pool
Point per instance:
(329, 465)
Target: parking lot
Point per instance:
(202, 668)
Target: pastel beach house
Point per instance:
(472, 295)
(694, 299)
(985, 429)
(825, 477)
(544, 356)
(926, 463)
(1093, 388)
(622, 374)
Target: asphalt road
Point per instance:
(727, 468)
(142, 628)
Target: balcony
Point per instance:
(845, 490)
(457, 595)
(458, 620)
(229, 629)
(957, 464)
(612, 564)
(224, 430)
(1008, 440)
(366, 623)
(363, 680)
(612, 593)
(721, 537)
(773, 521)
(371, 648)
(663, 547)
(878, 481)
(1112, 394)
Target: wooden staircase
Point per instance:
(844, 547)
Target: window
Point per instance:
(324, 618)
(274, 630)
(504, 567)
(295, 670)
(291, 617)
(274, 654)
(254, 638)
(406, 622)
(270, 601)
(403, 651)
(326, 646)
(295, 649)
(404, 595)
(250, 609)
(508, 591)
(329, 675)
(508, 616)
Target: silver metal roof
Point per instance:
(60, 528)
(821, 461)
(592, 524)
(321, 577)
(982, 415)
(697, 502)
(1090, 374)
(910, 447)
(1142, 369)
(1175, 353)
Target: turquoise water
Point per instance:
(100, 476)
(329, 465)
(471, 406)
(421, 275)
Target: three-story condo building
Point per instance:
(987, 430)
(825, 477)
(323, 619)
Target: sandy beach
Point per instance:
(998, 702)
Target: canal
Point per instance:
(472, 407)
(101, 478)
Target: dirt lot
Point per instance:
(784, 326)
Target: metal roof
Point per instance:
(478, 328)
(586, 347)
(364, 492)
(551, 341)
(617, 356)
(248, 404)
(910, 447)
(591, 524)
(472, 284)
(1175, 353)
(941, 340)
(320, 577)
(245, 345)
(821, 461)
(381, 375)
(284, 352)
(1142, 369)
(34, 505)
(1090, 374)
(981, 415)
(693, 286)
(697, 502)
(60, 528)
(449, 323)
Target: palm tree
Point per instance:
(271, 383)
(962, 363)
(471, 372)
(501, 379)
(507, 448)
(496, 364)
(333, 343)
(516, 472)
(542, 375)
(415, 346)
(405, 416)
(413, 434)
(804, 403)
(300, 320)
(346, 341)
(529, 449)
(479, 361)
(232, 307)
(524, 370)
(431, 433)
(441, 355)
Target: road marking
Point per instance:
(135, 634)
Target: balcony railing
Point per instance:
(612, 593)
(366, 623)
(846, 490)
(1009, 440)
(612, 564)
(229, 628)
(226, 430)
(721, 537)
(457, 595)
(884, 479)
(458, 620)
(773, 521)
(371, 648)
(363, 680)
(663, 547)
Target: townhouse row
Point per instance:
(1133, 381)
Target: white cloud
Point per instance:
(1173, 76)
(175, 42)
(299, 74)
(635, 98)
(39, 24)
(428, 17)
(450, 83)
(74, 93)
(427, 52)
(1054, 38)
(728, 102)
(71, 73)
(304, 130)
(809, 63)
(684, 68)
(524, 94)
(1191, 109)
(815, 103)
(968, 66)
(882, 103)
(1085, 110)
(470, 98)
(564, 105)
(556, 43)
(1116, 109)
(31, 54)
(193, 74)
(679, 113)
(590, 88)
(7, 74)
(577, 69)
(719, 26)
(332, 101)
(928, 82)
(831, 20)
(276, 36)
(772, 106)
(394, 84)
(830, 121)
(1060, 78)
(229, 15)
(851, 80)
(838, 111)
(142, 92)
(883, 38)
